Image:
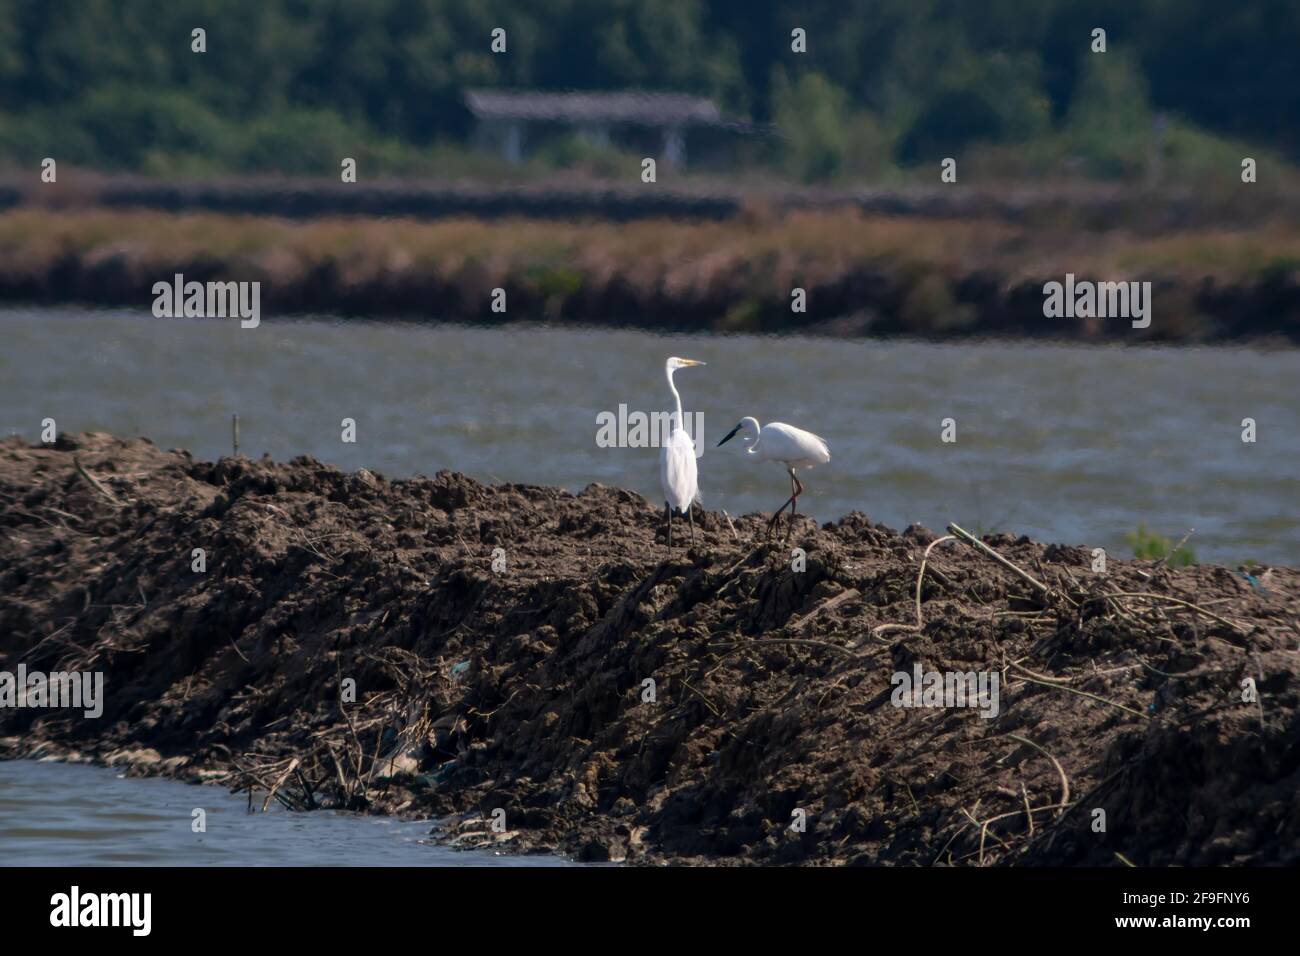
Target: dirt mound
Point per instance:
(542, 654)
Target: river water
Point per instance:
(1076, 444)
(56, 814)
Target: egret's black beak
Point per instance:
(730, 435)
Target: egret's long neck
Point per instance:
(677, 422)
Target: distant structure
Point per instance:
(656, 124)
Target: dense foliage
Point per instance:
(114, 83)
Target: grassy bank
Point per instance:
(863, 274)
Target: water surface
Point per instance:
(1067, 443)
(58, 814)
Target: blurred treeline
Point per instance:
(1186, 88)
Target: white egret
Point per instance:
(677, 471)
(792, 447)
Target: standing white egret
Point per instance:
(677, 471)
(792, 447)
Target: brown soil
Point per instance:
(522, 688)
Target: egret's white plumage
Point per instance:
(777, 441)
(792, 447)
(677, 469)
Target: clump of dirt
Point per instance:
(539, 669)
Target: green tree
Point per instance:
(811, 113)
(1109, 124)
(998, 98)
(118, 127)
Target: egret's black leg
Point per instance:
(773, 520)
(796, 487)
(690, 518)
(794, 497)
(668, 509)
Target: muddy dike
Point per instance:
(537, 658)
(1092, 205)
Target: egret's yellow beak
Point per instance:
(692, 362)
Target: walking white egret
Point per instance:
(792, 447)
(677, 471)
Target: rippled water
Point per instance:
(55, 814)
(1066, 443)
